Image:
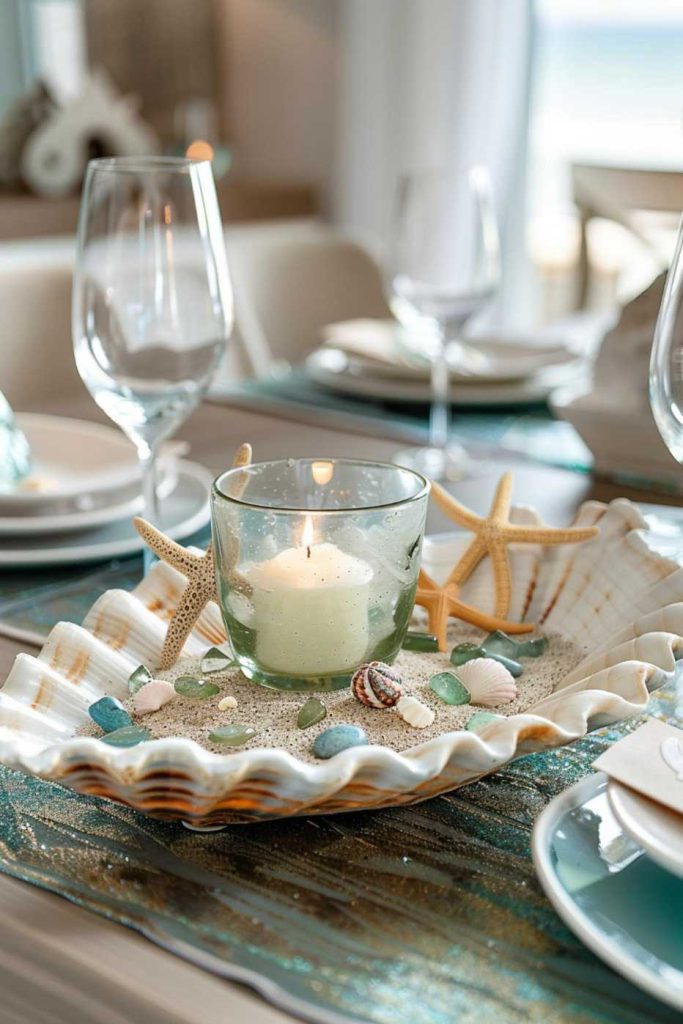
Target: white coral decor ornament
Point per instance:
(488, 681)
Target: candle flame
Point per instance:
(307, 533)
(199, 150)
(322, 472)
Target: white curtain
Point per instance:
(424, 83)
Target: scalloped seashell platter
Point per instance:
(621, 601)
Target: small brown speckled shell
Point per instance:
(377, 685)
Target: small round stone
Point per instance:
(338, 738)
(110, 714)
(377, 685)
(195, 689)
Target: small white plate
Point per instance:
(185, 511)
(333, 369)
(656, 828)
(71, 459)
(622, 905)
(75, 521)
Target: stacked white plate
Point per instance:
(83, 490)
(379, 359)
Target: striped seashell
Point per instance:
(415, 713)
(152, 696)
(488, 681)
(377, 685)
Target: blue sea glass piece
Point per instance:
(449, 688)
(110, 714)
(338, 738)
(514, 667)
(500, 643)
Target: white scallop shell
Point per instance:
(489, 682)
(613, 596)
(414, 712)
(152, 696)
(227, 703)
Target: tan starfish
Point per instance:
(492, 535)
(199, 570)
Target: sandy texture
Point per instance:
(273, 713)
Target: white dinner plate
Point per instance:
(185, 511)
(656, 828)
(335, 370)
(624, 907)
(75, 520)
(87, 464)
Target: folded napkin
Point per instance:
(649, 760)
(389, 348)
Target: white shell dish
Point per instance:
(613, 595)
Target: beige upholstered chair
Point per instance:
(288, 286)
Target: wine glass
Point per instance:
(443, 267)
(152, 303)
(666, 360)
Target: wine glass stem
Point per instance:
(440, 410)
(150, 498)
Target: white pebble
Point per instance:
(415, 713)
(226, 703)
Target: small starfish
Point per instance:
(200, 572)
(492, 535)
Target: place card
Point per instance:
(650, 761)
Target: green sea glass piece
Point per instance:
(310, 713)
(479, 719)
(216, 660)
(139, 678)
(128, 736)
(533, 648)
(463, 653)
(468, 652)
(232, 735)
(414, 641)
(502, 644)
(195, 689)
(449, 688)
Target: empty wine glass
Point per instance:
(152, 303)
(443, 267)
(666, 360)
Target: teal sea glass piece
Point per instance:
(312, 712)
(463, 653)
(195, 689)
(128, 736)
(479, 719)
(500, 643)
(425, 642)
(513, 667)
(110, 714)
(338, 738)
(139, 678)
(216, 660)
(449, 688)
(232, 735)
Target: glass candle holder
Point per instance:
(317, 563)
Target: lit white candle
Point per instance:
(311, 609)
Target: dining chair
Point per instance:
(289, 285)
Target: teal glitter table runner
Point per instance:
(418, 915)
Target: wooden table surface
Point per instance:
(93, 970)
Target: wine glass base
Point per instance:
(450, 463)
